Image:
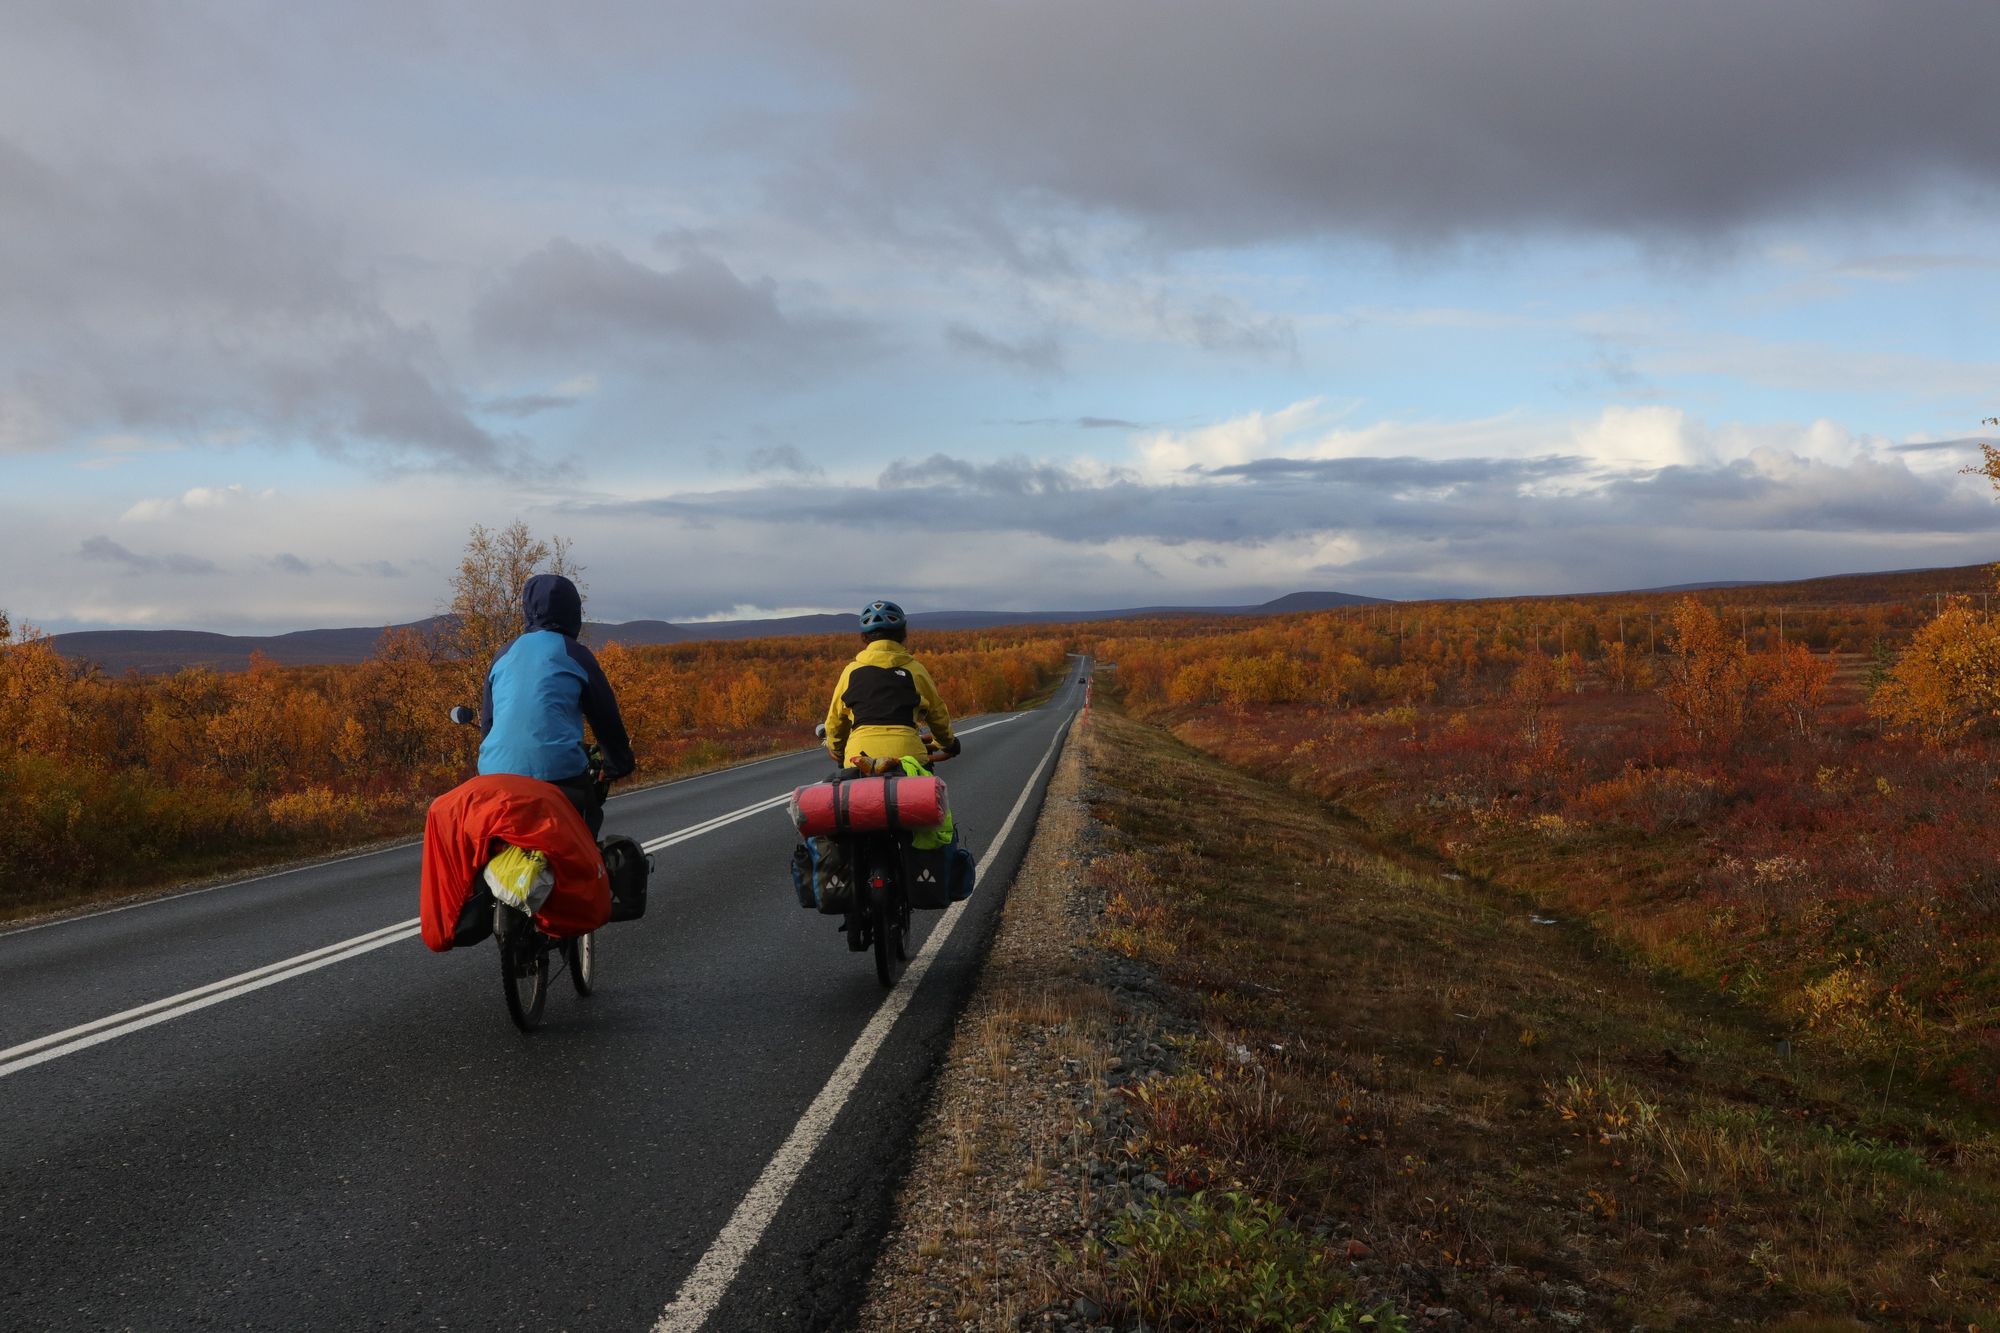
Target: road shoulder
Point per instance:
(1014, 1159)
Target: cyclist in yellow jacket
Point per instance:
(883, 695)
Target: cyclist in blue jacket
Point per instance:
(539, 694)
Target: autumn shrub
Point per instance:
(1652, 799)
(317, 811)
(1228, 1261)
(1949, 679)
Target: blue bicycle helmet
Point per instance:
(880, 615)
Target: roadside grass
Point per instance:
(1423, 1095)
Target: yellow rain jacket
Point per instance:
(882, 695)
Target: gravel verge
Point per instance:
(1020, 1157)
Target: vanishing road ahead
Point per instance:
(341, 1129)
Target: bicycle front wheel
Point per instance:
(581, 955)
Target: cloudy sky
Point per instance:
(1032, 304)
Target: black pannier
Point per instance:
(475, 918)
(626, 862)
(936, 877)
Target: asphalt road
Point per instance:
(359, 1138)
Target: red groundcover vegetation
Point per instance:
(1791, 793)
(115, 781)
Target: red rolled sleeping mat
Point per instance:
(862, 805)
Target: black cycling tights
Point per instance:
(585, 796)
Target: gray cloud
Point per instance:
(180, 297)
(1449, 502)
(784, 458)
(287, 563)
(1081, 423)
(102, 549)
(1897, 268)
(567, 295)
(524, 405)
(1008, 477)
(1410, 473)
(1939, 446)
(1038, 354)
(1229, 327)
(1415, 121)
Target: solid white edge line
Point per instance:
(705, 1287)
(95, 1038)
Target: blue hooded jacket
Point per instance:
(541, 690)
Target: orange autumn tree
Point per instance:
(1793, 682)
(486, 590)
(1708, 680)
(1531, 691)
(1947, 681)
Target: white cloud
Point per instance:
(1620, 439)
(750, 611)
(1169, 454)
(198, 499)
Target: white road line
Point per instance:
(161, 1011)
(85, 1035)
(710, 826)
(373, 936)
(706, 1285)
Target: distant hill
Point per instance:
(1712, 586)
(151, 651)
(155, 651)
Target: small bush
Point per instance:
(1653, 799)
(1232, 1263)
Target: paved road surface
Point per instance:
(359, 1138)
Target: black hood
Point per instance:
(550, 601)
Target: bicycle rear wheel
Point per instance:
(524, 972)
(891, 920)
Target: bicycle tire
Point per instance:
(524, 976)
(892, 931)
(581, 955)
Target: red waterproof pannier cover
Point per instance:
(464, 829)
(862, 805)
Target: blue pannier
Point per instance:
(821, 876)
